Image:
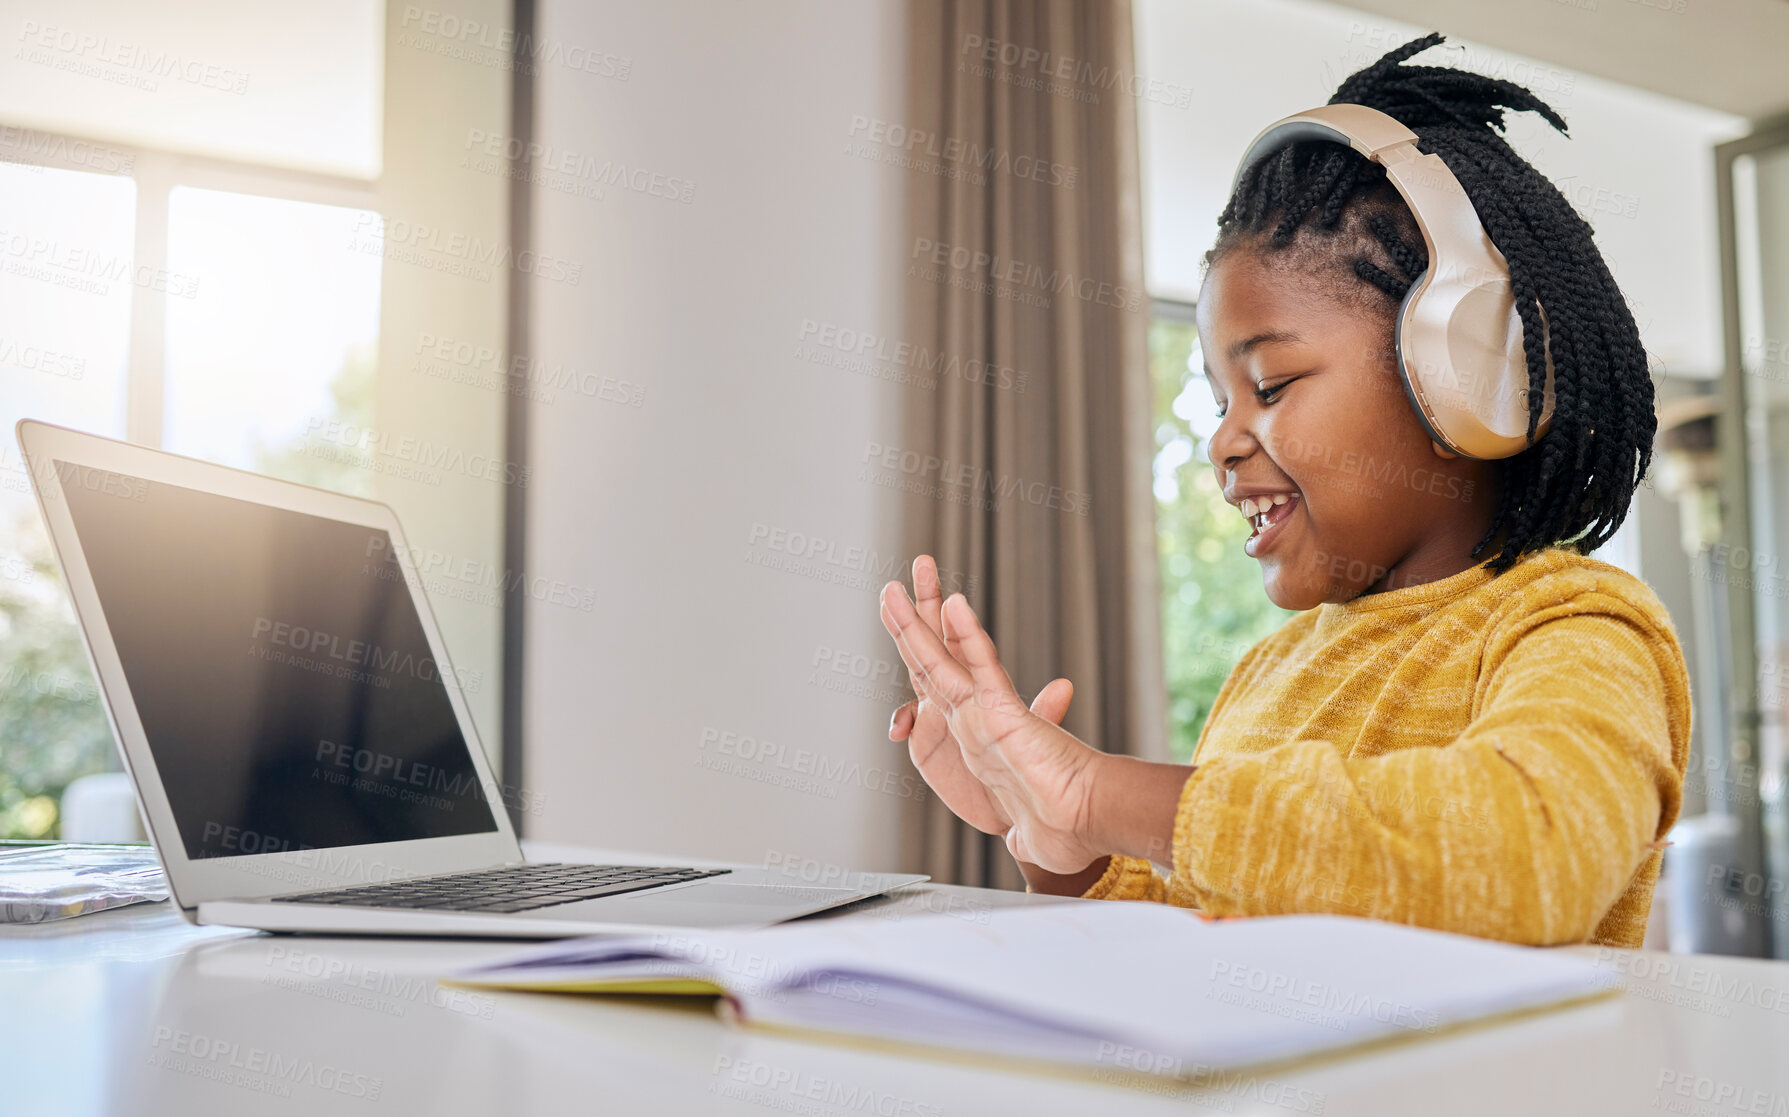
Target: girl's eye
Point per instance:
(1265, 395)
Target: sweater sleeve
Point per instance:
(1128, 878)
(1526, 827)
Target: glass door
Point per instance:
(1751, 563)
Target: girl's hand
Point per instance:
(922, 724)
(1035, 778)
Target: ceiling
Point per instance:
(1731, 55)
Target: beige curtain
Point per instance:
(1030, 445)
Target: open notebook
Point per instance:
(1121, 986)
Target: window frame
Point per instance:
(156, 172)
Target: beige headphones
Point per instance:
(1459, 338)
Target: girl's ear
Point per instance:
(1440, 450)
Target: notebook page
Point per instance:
(1219, 994)
(1145, 976)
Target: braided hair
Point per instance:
(1322, 208)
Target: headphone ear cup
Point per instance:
(1416, 366)
(1466, 347)
(1511, 419)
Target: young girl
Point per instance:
(1471, 725)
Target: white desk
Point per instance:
(92, 1012)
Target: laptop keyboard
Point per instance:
(506, 889)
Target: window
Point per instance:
(66, 282)
(218, 310)
(216, 243)
(1213, 604)
(279, 335)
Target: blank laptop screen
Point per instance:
(279, 670)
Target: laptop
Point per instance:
(299, 741)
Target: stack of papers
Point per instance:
(41, 881)
(1123, 986)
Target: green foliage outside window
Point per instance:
(1213, 604)
(52, 727)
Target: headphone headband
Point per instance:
(1365, 129)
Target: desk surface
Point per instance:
(90, 1010)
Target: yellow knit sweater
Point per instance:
(1496, 756)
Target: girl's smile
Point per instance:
(1269, 515)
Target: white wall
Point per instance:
(1639, 166)
(288, 86)
(698, 307)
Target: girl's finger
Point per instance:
(989, 683)
(928, 598)
(916, 672)
(901, 724)
(1051, 703)
(950, 640)
(922, 651)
